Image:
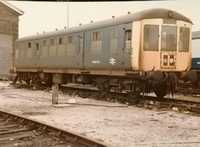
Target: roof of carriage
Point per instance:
(145, 14)
(196, 35)
(12, 7)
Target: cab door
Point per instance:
(150, 44)
(168, 51)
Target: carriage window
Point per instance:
(60, 40)
(52, 42)
(169, 38)
(29, 45)
(128, 37)
(96, 41)
(96, 36)
(184, 39)
(37, 49)
(44, 42)
(69, 39)
(37, 46)
(151, 37)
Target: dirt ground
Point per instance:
(115, 124)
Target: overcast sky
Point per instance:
(47, 16)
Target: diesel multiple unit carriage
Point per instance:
(140, 52)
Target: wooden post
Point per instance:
(55, 89)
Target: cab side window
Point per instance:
(128, 38)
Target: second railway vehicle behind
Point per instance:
(196, 59)
(141, 52)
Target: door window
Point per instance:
(128, 38)
(151, 37)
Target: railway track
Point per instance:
(187, 104)
(190, 105)
(22, 132)
(189, 91)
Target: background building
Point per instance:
(9, 18)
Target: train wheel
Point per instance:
(104, 88)
(160, 90)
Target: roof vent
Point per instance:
(129, 12)
(56, 29)
(113, 16)
(80, 24)
(91, 21)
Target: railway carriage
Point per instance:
(195, 70)
(135, 53)
(195, 49)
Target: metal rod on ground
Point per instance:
(55, 89)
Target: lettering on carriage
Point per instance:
(112, 60)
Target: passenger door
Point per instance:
(79, 55)
(125, 44)
(168, 46)
(36, 53)
(149, 58)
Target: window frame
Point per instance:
(37, 46)
(29, 44)
(127, 38)
(52, 41)
(60, 40)
(157, 28)
(128, 34)
(188, 41)
(96, 41)
(96, 36)
(174, 49)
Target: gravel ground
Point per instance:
(115, 124)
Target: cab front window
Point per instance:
(169, 38)
(151, 37)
